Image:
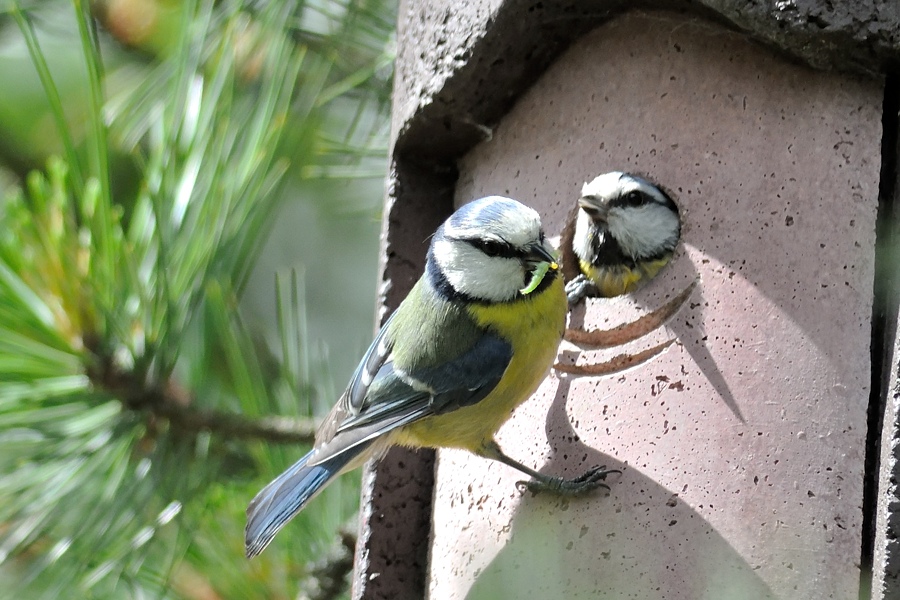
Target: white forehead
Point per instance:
(615, 183)
(495, 217)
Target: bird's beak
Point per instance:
(541, 253)
(543, 258)
(596, 210)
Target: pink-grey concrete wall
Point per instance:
(742, 447)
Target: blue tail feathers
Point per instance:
(278, 502)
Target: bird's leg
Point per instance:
(579, 288)
(628, 332)
(539, 482)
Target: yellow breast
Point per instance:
(618, 279)
(533, 325)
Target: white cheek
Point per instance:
(581, 243)
(644, 231)
(474, 274)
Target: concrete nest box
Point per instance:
(751, 448)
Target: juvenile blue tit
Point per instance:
(625, 232)
(473, 339)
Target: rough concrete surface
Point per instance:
(461, 65)
(742, 447)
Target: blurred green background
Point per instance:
(189, 226)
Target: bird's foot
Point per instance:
(579, 288)
(582, 484)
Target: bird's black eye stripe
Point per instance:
(495, 248)
(636, 198)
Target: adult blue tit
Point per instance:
(625, 232)
(473, 339)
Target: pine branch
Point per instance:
(279, 430)
(124, 361)
(174, 403)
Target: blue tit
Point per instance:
(473, 339)
(625, 232)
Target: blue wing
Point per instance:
(468, 378)
(391, 397)
(380, 398)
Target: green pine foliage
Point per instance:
(139, 413)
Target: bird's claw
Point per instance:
(578, 288)
(582, 484)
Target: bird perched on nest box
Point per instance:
(473, 339)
